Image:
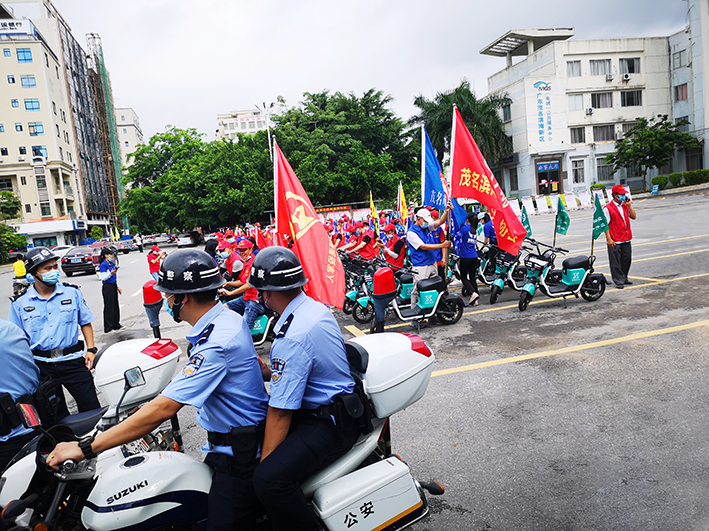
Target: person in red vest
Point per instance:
(395, 249)
(619, 212)
(247, 303)
(365, 243)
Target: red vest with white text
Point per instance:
(620, 232)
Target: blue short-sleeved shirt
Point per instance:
(52, 323)
(489, 231)
(308, 357)
(20, 374)
(107, 267)
(468, 239)
(222, 377)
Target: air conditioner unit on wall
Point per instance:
(609, 77)
(21, 158)
(626, 77)
(589, 111)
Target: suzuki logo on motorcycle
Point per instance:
(126, 492)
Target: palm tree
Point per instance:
(481, 116)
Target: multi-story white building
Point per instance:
(571, 101)
(246, 122)
(129, 133)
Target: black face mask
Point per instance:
(260, 299)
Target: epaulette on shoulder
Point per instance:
(71, 285)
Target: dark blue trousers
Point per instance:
(77, 379)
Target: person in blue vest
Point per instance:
(50, 313)
(469, 258)
(110, 291)
(424, 246)
(20, 378)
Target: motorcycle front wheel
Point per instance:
(450, 310)
(593, 289)
(347, 308)
(524, 299)
(494, 293)
(363, 314)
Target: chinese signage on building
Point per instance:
(546, 118)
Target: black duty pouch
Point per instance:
(50, 402)
(348, 409)
(244, 444)
(8, 414)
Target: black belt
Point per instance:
(216, 438)
(58, 352)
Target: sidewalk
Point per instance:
(672, 191)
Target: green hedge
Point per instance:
(660, 180)
(675, 179)
(598, 186)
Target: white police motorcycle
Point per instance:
(368, 488)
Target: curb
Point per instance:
(673, 191)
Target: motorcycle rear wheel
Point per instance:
(450, 310)
(593, 289)
(524, 299)
(494, 293)
(363, 314)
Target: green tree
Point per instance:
(650, 144)
(342, 146)
(10, 205)
(96, 232)
(481, 117)
(10, 239)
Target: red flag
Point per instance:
(296, 218)
(260, 240)
(472, 179)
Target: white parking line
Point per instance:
(134, 261)
(137, 292)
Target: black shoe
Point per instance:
(619, 286)
(628, 283)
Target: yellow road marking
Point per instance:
(568, 350)
(647, 279)
(597, 266)
(671, 240)
(352, 329)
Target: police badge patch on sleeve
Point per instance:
(193, 365)
(277, 368)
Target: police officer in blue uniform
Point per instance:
(312, 412)
(50, 313)
(20, 379)
(222, 379)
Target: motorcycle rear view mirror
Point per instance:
(134, 378)
(29, 416)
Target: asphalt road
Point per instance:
(569, 416)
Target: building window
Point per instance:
(32, 104)
(63, 116)
(24, 55)
(603, 133)
(679, 59)
(600, 67)
(36, 128)
(28, 81)
(23, 150)
(28, 208)
(578, 135)
(3, 152)
(577, 171)
(123, 118)
(683, 128)
(506, 113)
(11, 80)
(23, 180)
(61, 154)
(232, 126)
(56, 68)
(630, 66)
(54, 107)
(243, 125)
(126, 144)
(39, 151)
(45, 209)
(15, 103)
(58, 133)
(68, 154)
(603, 171)
(6, 185)
(252, 125)
(681, 92)
(628, 126)
(602, 100)
(575, 102)
(2, 128)
(18, 128)
(125, 131)
(573, 68)
(7, 52)
(514, 180)
(631, 98)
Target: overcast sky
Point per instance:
(181, 63)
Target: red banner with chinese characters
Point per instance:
(297, 222)
(471, 178)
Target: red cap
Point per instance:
(358, 225)
(618, 189)
(155, 248)
(435, 214)
(244, 244)
(389, 227)
(229, 233)
(224, 245)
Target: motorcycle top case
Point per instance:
(379, 496)
(148, 490)
(397, 375)
(156, 358)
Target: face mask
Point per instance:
(621, 198)
(109, 260)
(224, 255)
(172, 312)
(260, 299)
(29, 278)
(230, 240)
(425, 225)
(50, 278)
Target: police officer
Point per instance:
(50, 313)
(20, 378)
(110, 290)
(222, 379)
(307, 426)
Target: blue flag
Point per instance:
(433, 182)
(458, 218)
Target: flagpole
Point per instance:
(275, 184)
(450, 214)
(423, 161)
(556, 221)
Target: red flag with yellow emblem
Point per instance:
(471, 178)
(296, 220)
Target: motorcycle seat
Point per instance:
(434, 283)
(83, 423)
(357, 356)
(405, 278)
(576, 262)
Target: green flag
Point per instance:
(600, 224)
(562, 218)
(525, 221)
